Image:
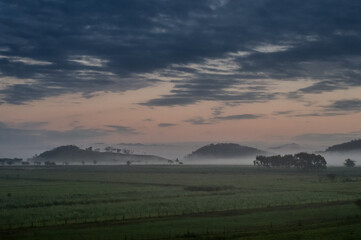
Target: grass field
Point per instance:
(183, 202)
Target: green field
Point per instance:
(183, 202)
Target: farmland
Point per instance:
(184, 202)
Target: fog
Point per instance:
(220, 161)
(175, 151)
(337, 159)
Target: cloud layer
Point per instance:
(223, 51)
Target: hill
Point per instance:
(290, 146)
(354, 145)
(224, 151)
(74, 155)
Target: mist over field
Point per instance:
(338, 159)
(170, 152)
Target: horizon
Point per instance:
(174, 76)
(181, 152)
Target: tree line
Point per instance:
(10, 161)
(300, 160)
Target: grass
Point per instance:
(153, 202)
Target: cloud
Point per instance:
(32, 125)
(212, 50)
(31, 134)
(25, 60)
(239, 117)
(326, 138)
(217, 117)
(123, 130)
(85, 82)
(4, 49)
(26, 139)
(336, 108)
(166, 125)
(148, 120)
(169, 100)
(317, 114)
(217, 111)
(88, 60)
(277, 113)
(23, 93)
(346, 105)
(209, 88)
(270, 48)
(324, 86)
(26, 134)
(198, 121)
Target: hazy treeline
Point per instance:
(300, 160)
(10, 161)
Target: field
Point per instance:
(182, 202)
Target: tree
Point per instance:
(128, 151)
(300, 160)
(349, 163)
(109, 149)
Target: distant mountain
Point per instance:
(224, 151)
(354, 145)
(72, 154)
(290, 146)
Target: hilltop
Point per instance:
(224, 151)
(71, 154)
(354, 145)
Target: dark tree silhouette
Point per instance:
(349, 163)
(300, 160)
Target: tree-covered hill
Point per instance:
(224, 151)
(354, 145)
(72, 154)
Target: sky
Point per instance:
(178, 73)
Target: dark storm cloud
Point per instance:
(89, 46)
